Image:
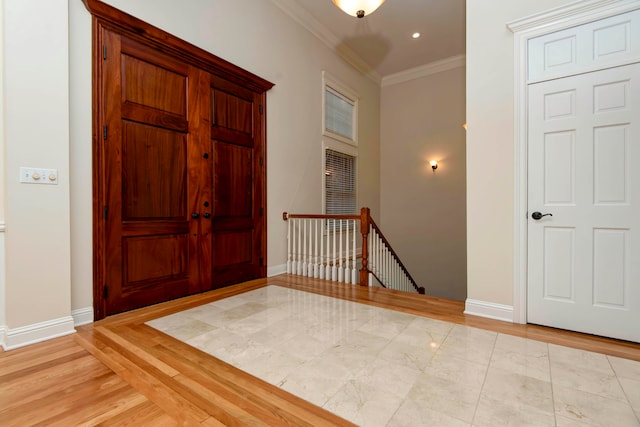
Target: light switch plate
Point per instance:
(39, 176)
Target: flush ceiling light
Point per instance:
(416, 35)
(358, 8)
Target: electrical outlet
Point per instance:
(39, 176)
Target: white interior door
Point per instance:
(584, 171)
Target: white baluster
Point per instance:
(327, 274)
(383, 263)
(299, 269)
(395, 272)
(316, 259)
(378, 257)
(294, 253)
(371, 264)
(334, 272)
(310, 260)
(289, 246)
(347, 275)
(387, 258)
(372, 251)
(354, 272)
(340, 271)
(304, 248)
(321, 267)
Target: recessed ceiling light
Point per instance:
(415, 35)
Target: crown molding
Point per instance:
(311, 24)
(425, 70)
(569, 11)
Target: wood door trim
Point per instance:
(107, 17)
(135, 28)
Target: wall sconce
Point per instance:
(464, 126)
(434, 165)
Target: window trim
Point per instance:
(342, 91)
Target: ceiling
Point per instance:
(383, 39)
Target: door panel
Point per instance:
(232, 112)
(154, 173)
(163, 90)
(238, 214)
(152, 258)
(583, 273)
(151, 240)
(233, 181)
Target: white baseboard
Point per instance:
(274, 270)
(489, 309)
(82, 316)
(38, 332)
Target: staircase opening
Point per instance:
(345, 248)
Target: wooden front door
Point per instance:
(179, 175)
(151, 179)
(179, 189)
(238, 188)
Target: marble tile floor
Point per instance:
(379, 367)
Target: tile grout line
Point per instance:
(626, 395)
(553, 399)
(484, 380)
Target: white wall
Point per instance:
(490, 145)
(80, 152)
(423, 213)
(259, 37)
(36, 133)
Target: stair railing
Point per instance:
(326, 247)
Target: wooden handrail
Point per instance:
(286, 216)
(366, 223)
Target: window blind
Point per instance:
(340, 183)
(338, 114)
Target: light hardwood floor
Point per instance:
(119, 371)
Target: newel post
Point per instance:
(365, 214)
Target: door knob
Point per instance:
(206, 215)
(537, 215)
(195, 215)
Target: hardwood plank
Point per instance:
(34, 388)
(146, 413)
(26, 357)
(149, 381)
(85, 396)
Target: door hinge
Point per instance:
(105, 212)
(104, 51)
(104, 132)
(105, 292)
(261, 211)
(261, 261)
(261, 109)
(261, 161)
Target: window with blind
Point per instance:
(340, 112)
(339, 183)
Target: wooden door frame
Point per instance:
(108, 17)
(524, 29)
